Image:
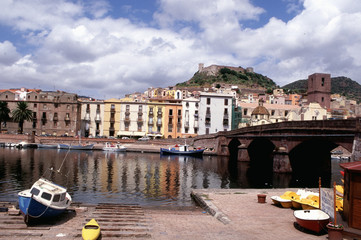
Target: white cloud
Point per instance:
(8, 53)
(78, 47)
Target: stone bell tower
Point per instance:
(319, 89)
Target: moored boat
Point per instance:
(182, 150)
(47, 145)
(44, 199)
(76, 147)
(314, 220)
(114, 147)
(91, 230)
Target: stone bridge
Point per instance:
(294, 146)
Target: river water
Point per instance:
(131, 178)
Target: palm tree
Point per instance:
(4, 113)
(21, 114)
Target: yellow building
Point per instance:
(112, 108)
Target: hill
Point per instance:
(341, 85)
(229, 76)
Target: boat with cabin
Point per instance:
(44, 199)
(182, 150)
(110, 147)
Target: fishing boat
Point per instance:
(114, 147)
(79, 146)
(314, 220)
(182, 150)
(91, 230)
(40, 145)
(44, 199)
(76, 147)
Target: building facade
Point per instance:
(215, 113)
(92, 112)
(190, 116)
(55, 113)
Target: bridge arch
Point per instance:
(260, 152)
(314, 158)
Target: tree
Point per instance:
(21, 114)
(4, 113)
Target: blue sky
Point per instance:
(108, 48)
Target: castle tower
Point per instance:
(319, 89)
(200, 67)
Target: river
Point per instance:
(131, 178)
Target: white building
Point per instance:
(215, 113)
(92, 112)
(190, 116)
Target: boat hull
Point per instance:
(313, 220)
(34, 209)
(166, 151)
(76, 147)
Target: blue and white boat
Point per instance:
(76, 147)
(43, 200)
(182, 150)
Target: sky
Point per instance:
(108, 48)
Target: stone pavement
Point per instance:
(236, 214)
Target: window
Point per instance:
(323, 82)
(56, 198)
(208, 101)
(35, 191)
(46, 196)
(45, 106)
(35, 105)
(225, 111)
(170, 112)
(226, 102)
(179, 112)
(140, 108)
(127, 107)
(322, 99)
(245, 111)
(62, 196)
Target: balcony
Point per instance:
(55, 118)
(112, 119)
(127, 113)
(196, 124)
(127, 119)
(225, 122)
(186, 124)
(43, 120)
(140, 114)
(140, 120)
(159, 123)
(87, 117)
(97, 118)
(67, 119)
(208, 115)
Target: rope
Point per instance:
(27, 211)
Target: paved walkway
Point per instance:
(236, 214)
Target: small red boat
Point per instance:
(314, 220)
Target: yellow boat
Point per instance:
(91, 230)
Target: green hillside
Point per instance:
(226, 75)
(341, 85)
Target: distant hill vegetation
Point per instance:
(340, 85)
(226, 75)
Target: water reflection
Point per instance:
(125, 177)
